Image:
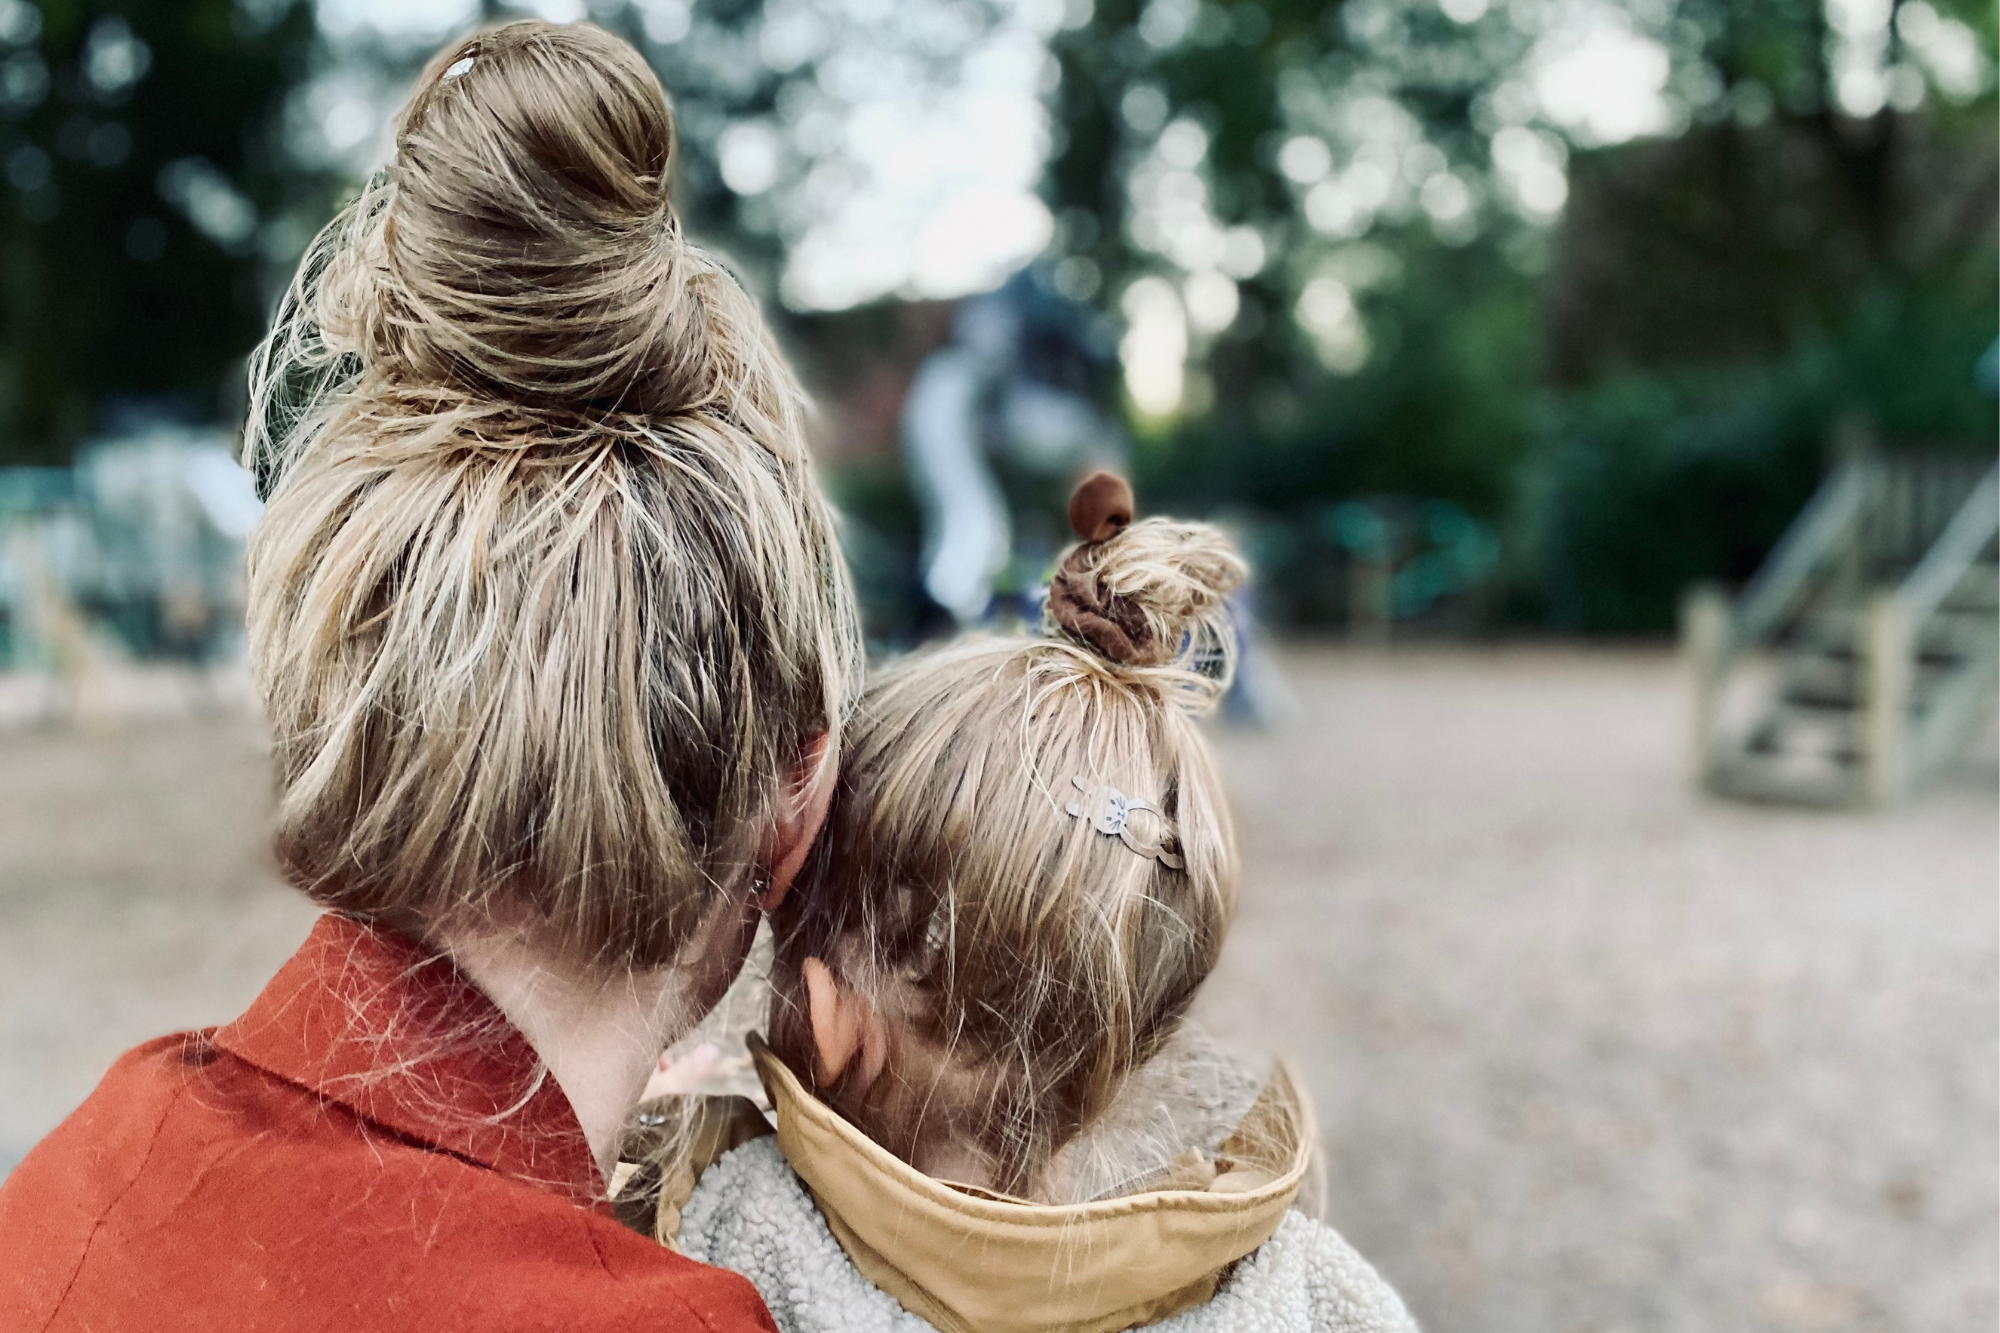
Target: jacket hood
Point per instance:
(975, 1262)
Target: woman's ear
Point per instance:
(843, 1024)
(802, 805)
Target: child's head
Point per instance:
(977, 953)
(546, 607)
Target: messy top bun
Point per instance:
(1147, 594)
(1030, 865)
(547, 598)
(520, 267)
(529, 253)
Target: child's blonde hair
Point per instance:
(547, 599)
(1025, 961)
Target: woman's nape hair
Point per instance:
(547, 599)
(1024, 961)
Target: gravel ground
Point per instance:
(1591, 1053)
(136, 897)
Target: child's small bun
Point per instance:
(1145, 595)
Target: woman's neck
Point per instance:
(599, 1036)
(601, 1032)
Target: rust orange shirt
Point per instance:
(340, 1157)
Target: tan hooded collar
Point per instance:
(979, 1263)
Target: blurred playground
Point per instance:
(1591, 1051)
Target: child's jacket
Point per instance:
(840, 1236)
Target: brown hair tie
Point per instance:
(1100, 506)
(1099, 509)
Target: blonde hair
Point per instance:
(1025, 962)
(547, 598)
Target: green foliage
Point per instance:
(1639, 395)
(1643, 484)
(1636, 395)
(142, 159)
(1442, 409)
(1438, 407)
(1649, 483)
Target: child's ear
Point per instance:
(843, 1024)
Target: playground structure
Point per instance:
(1863, 655)
(999, 423)
(136, 551)
(1404, 557)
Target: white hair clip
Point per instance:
(456, 68)
(1110, 812)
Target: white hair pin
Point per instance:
(1110, 812)
(456, 68)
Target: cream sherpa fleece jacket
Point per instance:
(751, 1214)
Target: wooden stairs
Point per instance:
(1865, 653)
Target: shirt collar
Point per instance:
(393, 1031)
(1041, 1268)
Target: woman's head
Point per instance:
(546, 607)
(983, 943)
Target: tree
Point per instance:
(144, 169)
(1377, 245)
